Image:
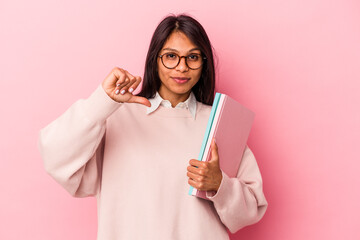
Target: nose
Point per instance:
(182, 66)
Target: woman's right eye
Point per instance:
(170, 56)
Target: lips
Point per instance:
(180, 80)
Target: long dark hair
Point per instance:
(204, 89)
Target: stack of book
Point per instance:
(230, 124)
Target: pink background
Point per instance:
(295, 63)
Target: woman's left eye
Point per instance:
(193, 57)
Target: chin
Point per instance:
(181, 91)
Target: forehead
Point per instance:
(179, 41)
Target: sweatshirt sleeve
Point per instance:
(240, 201)
(72, 145)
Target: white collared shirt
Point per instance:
(190, 104)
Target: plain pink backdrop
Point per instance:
(295, 63)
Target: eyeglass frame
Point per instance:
(180, 57)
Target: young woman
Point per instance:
(135, 153)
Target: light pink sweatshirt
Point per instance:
(135, 164)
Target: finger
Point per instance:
(135, 84)
(129, 79)
(114, 75)
(118, 73)
(214, 150)
(112, 78)
(193, 170)
(129, 75)
(195, 177)
(121, 79)
(197, 163)
(120, 85)
(141, 100)
(192, 183)
(124, 88)
(197, 185)
(198, 171)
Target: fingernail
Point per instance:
(118, 84)
(131, 90)
(117, 92)
(122, 92)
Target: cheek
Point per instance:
(160, 71)
(197, 75)
(163, 72)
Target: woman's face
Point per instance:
(176, 83)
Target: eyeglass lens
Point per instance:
(172, 60)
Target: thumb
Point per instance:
(141, 100)
(214, 150)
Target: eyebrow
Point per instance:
(174, 50)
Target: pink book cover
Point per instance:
(231, 128)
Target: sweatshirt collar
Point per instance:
(189, 104)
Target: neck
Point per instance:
(174, 99)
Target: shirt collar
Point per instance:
(190, 104)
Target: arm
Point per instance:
(240, 201)
(72, 146)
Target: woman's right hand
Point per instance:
(120, 84)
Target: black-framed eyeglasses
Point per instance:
(171, 60)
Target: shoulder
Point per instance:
(202, 110)
(128, 111)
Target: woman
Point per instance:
(135, 153)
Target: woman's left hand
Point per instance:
(205, 176)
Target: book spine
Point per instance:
(213, 128)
